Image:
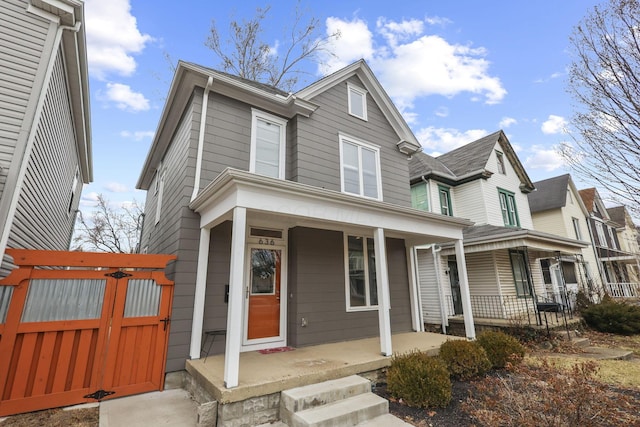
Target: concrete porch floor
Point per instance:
(263, 374)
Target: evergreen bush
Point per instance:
(465, 359)
(419, 380)
(614, 317)
(501, 348)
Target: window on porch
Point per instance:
(521, 274)
(360, 263)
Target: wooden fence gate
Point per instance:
(78, 327)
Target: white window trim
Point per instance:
(342, 138)
(576, 228)
(601, 237)
(366, 275)
(258, 114)
(359, 91)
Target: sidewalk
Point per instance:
(169, 408)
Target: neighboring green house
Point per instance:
(45, 132)
(290, 214)
(484, 182)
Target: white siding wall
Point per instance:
(430, 298)
(470, 201)
(552, 222)
(509, 182)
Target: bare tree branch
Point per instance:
(108, 229)
(604, 81)
(245, 54)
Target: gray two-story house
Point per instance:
(290, 214)
(45, 133)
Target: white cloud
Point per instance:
(442, 112)
(442, 140)
(437, 20)
(411, 64)
(551, 77)
(116, 187)
(506, 122)
(89, 199)
(138, 135)
(125, 98)
(554, 124)
(545, 158)
(112, 37)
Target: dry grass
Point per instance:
(86, 417)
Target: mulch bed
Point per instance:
(86, 417)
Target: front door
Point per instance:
(456, 295)
(263, 294)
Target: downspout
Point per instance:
(26, 155)
(203, 125)
(435, 251)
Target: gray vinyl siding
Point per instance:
(316, 284)
(44, 218)
(481, 272)
(22, 37)
(177, 232)
(318, 154)
(227, 141)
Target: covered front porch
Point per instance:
(264, 374)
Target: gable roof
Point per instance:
(588, 195)
(469, 162)
(617, 214)
(550, 194)
(189, 76)
(592, 200)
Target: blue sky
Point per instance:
(458, 70)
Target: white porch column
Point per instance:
(201, 287)
(236, 293)
(382, 281)
(414, 291)
(464, 291)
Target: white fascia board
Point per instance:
(235, 188)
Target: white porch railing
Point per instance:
(623, 290)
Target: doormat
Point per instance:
(276, 350)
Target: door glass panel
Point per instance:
(143, 298)
(263, 271)
(63, 299)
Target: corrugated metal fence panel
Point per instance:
(5, 298)
(63, 299)
(143, 298)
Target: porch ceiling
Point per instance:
(262, 374)
(294, 204)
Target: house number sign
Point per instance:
(267, 242)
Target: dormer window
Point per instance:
(500, 161)
(357, 101)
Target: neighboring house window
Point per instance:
(612, 237)
(445, 200)
(520, 273)
(601, 239)
(74, 186)
(508, 207)
(267, 144)
(576, 228)
(357, 101)
(160, 191)
(360, 265)
(360, 166)
(420, 196)
(500, 159)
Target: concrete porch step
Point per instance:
(347, 412)
(310, 396)
(386, 420)
(581, 342)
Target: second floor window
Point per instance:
(612, 237)
(360, 166)
(601, 239)
(508, 208)
(419, 196)
(445, 200)
(267, 144)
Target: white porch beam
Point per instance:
(469, 327)
(201, 287)
(414, 290)
(382, 281)
(236, 288)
